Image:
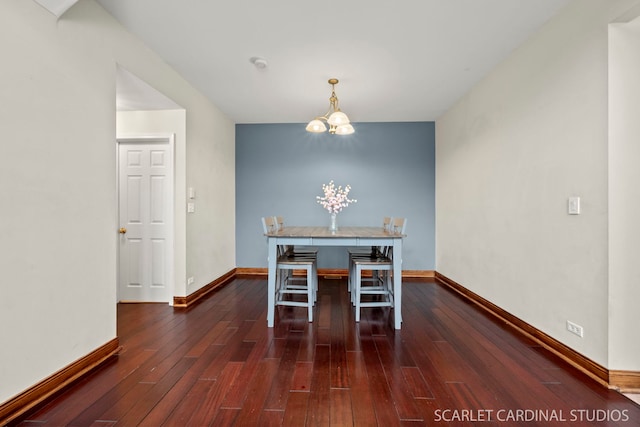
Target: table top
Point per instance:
(315, 232)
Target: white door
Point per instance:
(146, 204)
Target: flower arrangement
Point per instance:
(335, 198)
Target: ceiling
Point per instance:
(409, 60)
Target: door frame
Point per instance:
(160, 139)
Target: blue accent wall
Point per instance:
(280, 169)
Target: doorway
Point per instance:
(145, 215)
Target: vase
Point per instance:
(333, 226)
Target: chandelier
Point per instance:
(337, 120)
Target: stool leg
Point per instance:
(315, 282)
(356, 291)
(354, 282)
(310, 291)
(349, 271)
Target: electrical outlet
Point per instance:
(575, 329)
(190, 281)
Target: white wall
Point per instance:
(624, 196)
(58, 228)
(508, 155)
(211, 244)
(205, 239)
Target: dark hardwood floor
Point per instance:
(218, 364)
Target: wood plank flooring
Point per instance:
(217, 364)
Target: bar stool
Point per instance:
(380, 283)
(287, 285)
(387, 225)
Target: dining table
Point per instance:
(343, 236)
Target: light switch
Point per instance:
(191, 207)
(574, 205)
(192, 193)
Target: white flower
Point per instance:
(335, 198)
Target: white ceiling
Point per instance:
(405, 60)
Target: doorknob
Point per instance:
(123, 230)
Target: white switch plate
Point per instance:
(192, 193)
(574, 205)
(191, 207)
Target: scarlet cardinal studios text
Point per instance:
(528, 415)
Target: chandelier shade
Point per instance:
(338, 118)
(339, 123)
(316, 126)
(344, 129)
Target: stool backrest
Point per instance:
(386, 223)
(279, 221)
(268, 224)
(399, 225)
